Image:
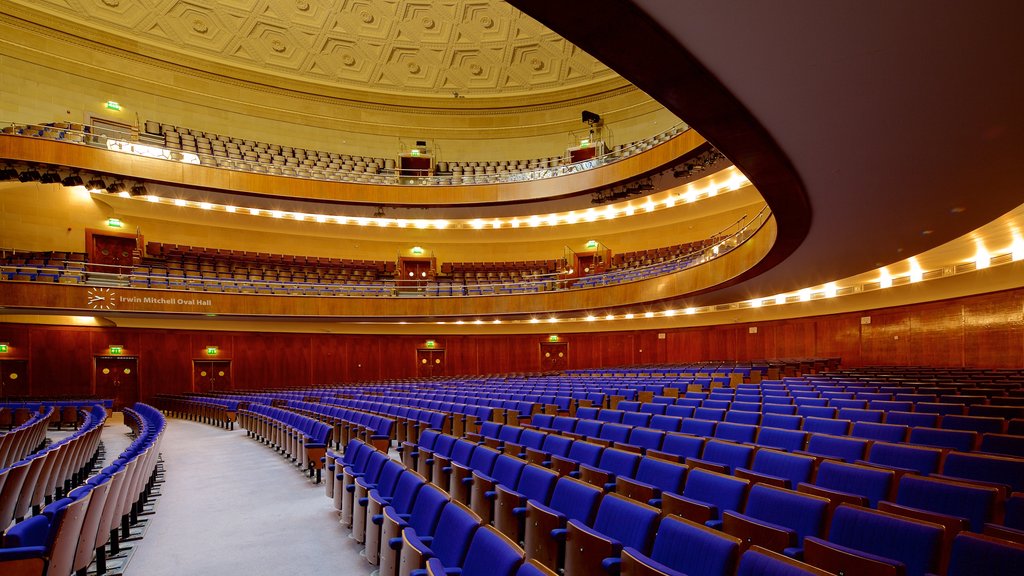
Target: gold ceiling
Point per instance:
(472, 48)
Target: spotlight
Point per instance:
(139, 190)
(28, 176)
(116, 188)
(72, 180)
(96, 184)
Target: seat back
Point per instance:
(724, 492)
(425, 512)
(987, 468)
(577, 500)
(882, 432)
(462, 452)
(585, 453)
(728, 454)
(760, 562)
(872, 483)
(843, 448)
(491, 554)
(537, 483)
(802, 513)
(921, 459)
(663, 475)
(693, 549)
(631, 523)
(557, 445)
(784, 421)
(406, 490)
(788, 440)
(916, 544)
(735, 432)
(793, 467)
(953, 439)
(978, 554)
(506, 470)
(454, 532)
(978, 504)
(619, 462)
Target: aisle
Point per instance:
(233, 506)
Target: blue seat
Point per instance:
(448, 543)
(735, 432)
(613, 416)
(874, 484)
(589, 428)
(542, 421)
(816, 412)
(506, 472)
(509, 434)
(651, 479)
(879, 537)
(860, 415)
(1004, 444)
(615, 433)
(533, 568)
(666, 423)
(683, 445)
(784, 421)
(783, 409)
(882, 432)
(779, 468)
(620, 523)
(750, 417)
(587, 413)
(706, 495)
(826, 426)
(920, 459)
(788, 440)
(977, 504)
(684, 548)
(727, 454)
(653, 408)
(772, 511)
(613, 463)
(680, 411)
(571, 500)
(979, 424)
(961, 440)
(490, 430)
(528, 439)
(912, 419)
(564, 424)
(940, 408)
(490, 554)
(757, 561)
(979, 555)
(986, 468)
(422, 517)
(555, 445)
(838, 447)
(713, 414)
(636, 419)
(535, 483)
(646, 438)
(698, 427)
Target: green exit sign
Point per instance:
(111, 105)
(116, 350)
(553, 338)
(4, 348)
(115, 223)
(431, 344)
(211, 350)
(591, 243)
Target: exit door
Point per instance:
(415, 272)
(429, 362)
(15, 379)
(211, 375)
(554, 356)
(117, 377)
(110, 250)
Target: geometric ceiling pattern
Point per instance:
(442, 47)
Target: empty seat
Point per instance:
(571, 500)
(862, 541)
(490, 554)
(986, 468)
(977, 504)
(954, 439)
(788, 440)
(620, 523)
(920, 459)
(872, 484)
(706, 495)
(779, 469)
(684, 547)
(448, 543)
(778, 519)
(758, 561)
(979, 555)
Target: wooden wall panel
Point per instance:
(978, 331)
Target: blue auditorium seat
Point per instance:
(554, 445)
(636, 419)
(529, 439)
(400, 501)
(653, 408)
(788, 440)
(750, 417)
(975, 503)
(837, 447)
(620, 522)
(698, 427)
(912, 419)
(961, 440)
(785, 409)
(534, 568)
(866, 541)
(684, 548)
(780, 469)
(646, 438)
(384, 485)
(666, 423)
(535, 483)
(986, 468)
(826, 426)
(588, 428)
(571, 500)
(881, 432)
(706, 495)
(980, 555)
(778, 519)
(920, 459)
(680, 411)
(461, 477)
(979, 424)
(736, 432)
(872, 484)
(613, 463)
(614, 416)
(1004, 444)
(506, 472)
(587, 413)
(651, 479)
(683, 446)
(713, 414)
(723, 456)
(580, 452)
(615, 433)
(783, 421)
(490, 554)
(757, 561)
(448, 542)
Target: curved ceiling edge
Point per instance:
(617, 33)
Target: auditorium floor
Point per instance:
(230, 505)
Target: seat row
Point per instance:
(70, 531)
(348, 423)
(300, 438)
(27, 438)
(214, 411)
(573, 526)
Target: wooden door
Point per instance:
(430, 362)
(110, 250)
(117, 377)
(15, 379)
(554, 356)
(415, 272)
(211, 376)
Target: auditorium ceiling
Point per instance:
(428, 48)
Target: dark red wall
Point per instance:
(977, 331)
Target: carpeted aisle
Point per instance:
(231, 505)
